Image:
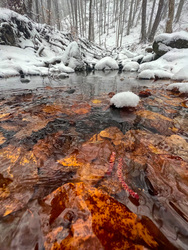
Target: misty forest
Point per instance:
(93, 124)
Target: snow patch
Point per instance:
(152, 74)
(106, 63)
(181, 86)
(182, 74)
(131, 66)
(125, 99)
(168, 38)
(61, 68)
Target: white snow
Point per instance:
(148, 58)
(166, 38)
(14, 59)
(182, 74)
(72, 50)
(131, 66)
(125, 99)
(181, 86)
(61, 68)
(172, 65)
(128, 53)
(152, 74)
(106, 63)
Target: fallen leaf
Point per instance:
(96, 101)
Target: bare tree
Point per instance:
(91, 21)
(157, 20)
(57, 19)
(143, 26)
(49, 11)
(151, 16)
(130, 17)
(179, 10)
(170, 16)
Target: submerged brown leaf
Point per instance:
(93, 219)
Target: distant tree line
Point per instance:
(90, 17)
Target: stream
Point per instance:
(70, 164)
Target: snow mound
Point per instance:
(172, 65)
(128, 53)
(180, 86)
(131, 66)
(152, 74)
(106, 63)
(125, 99)
(182, 74)
(61, 68)
(167, 38)
(72, 56)
(148, 58)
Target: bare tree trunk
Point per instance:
(151, 17)
(105, 16)
(42, 11)
(49, 10)
(157, 20)
(170, 16)
(179, 10)
(37, 11)
(57, 18)
(130, 18)
(29, 9)
(82, 17)
(91, 21)
(143, 26)
(136, 2)
(123, 22)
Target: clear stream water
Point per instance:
(54, 118)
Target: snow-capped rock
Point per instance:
(152, 74)
(125, 99)
(166, 42)
(61, 68)
(106, 63)
(131, 66)
(180, 86)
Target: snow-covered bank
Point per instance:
(28, 48)
(32, 48)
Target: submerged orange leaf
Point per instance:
(96, 101)
(81, 109)
(70, 161)
(152, 115)
(2, 138)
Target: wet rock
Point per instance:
(144, 93)
(63, 76)
(155, 122)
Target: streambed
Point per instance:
(56, 142)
